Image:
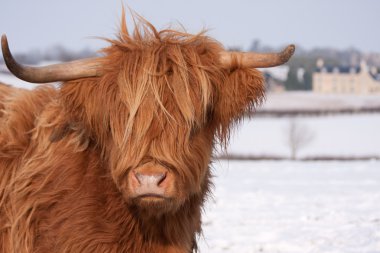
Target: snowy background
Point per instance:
(296, 206)
(333, 136)
(291, 207)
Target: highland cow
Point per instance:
(117, 158)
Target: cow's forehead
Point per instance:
(169, 90)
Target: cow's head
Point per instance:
(155, 105)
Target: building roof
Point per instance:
(339, 69)
(346, 70)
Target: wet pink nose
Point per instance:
(150, 180)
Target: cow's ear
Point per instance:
(237, 97)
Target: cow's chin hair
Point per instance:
(155, 207)
(152, 206)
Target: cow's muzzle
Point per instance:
(150, 182)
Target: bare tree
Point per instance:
(298, 136)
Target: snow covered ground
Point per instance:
(294, 207)
(291, 207)
(338, 135)
(303, 100)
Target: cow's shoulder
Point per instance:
(19, 109)
(5, 91)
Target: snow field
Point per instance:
(283, 207)
(338, 135)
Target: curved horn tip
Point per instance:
(4, 40)
(291, 48)
(5, 47)
(288, 52)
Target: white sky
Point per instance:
(40, 24)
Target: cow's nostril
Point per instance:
(138, 176)
(163, 177)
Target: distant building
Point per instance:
(272, 84)
(348, 80)
(275, 78)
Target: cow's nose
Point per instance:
(150, 180)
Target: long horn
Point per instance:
(256, 60)
(52, 73)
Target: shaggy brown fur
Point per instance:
(65, 153)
